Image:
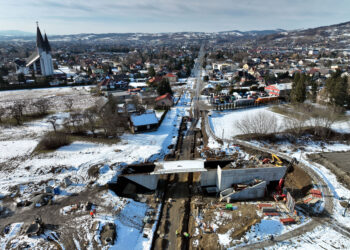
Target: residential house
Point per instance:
(281, 90)
(164, 101)
(143, 122)
(171, 77)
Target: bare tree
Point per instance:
(323, 118)
(136, 102)
(17, 111)
(113, 123)
(260, 123)
(76, 120)
(2, 113)
(90, 117)
(296, 124)
(69, 104)
(42, 106)
(53, 121)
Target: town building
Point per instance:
(143, 122)
(40, 62)
(164, 101)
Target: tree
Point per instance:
(90, 117)
(313, 90)
(337, 89)
(322, 119)
(42, 106)
(218, 88)
(112, 123)
(16, 111)
(74, 123)
(164, 87)
(53, 121)
(151, 72)
(69, 104)
(298, 93)
(2, 113)
(260, 123)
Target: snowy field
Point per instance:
(223, 122)
(23, 173)
(57, 95)
(319, 238)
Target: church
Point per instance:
(40, 62)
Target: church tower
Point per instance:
(41, 60)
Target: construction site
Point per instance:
(211, 198)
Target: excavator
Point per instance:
(274, 160)
(278, 195)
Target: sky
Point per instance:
(120, 16)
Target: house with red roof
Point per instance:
(164, 101)
(171, 77)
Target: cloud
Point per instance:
(75, 16)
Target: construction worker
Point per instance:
(92, 213)
(186, 235)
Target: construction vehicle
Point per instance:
(278, 195)
(274, 160)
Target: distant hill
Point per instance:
(17, 33)
(332, 36)
(12, 35)
(252, 32)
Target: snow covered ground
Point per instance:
(25, 173)
(319, 238)
(223, 122)
(57, 95)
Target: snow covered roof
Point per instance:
(138, 84)
(283, 86)
(209, 86)
(144, 119)
(35, 56)
(280, 86)
(179, 166)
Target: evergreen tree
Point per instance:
(337, 89)
(313, 90)
(296, 79)
(151, 72)
(164, 87)
(298, 93)
(218, 88)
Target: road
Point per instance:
(178, 190)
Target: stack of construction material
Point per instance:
(268, 209)
(313, 197)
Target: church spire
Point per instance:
(39, 38)
(47, 44)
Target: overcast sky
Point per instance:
(101, 16)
